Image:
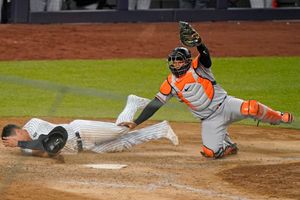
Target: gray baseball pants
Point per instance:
(214, 128)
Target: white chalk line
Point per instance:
(153, 186)
(211, 193)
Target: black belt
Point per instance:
(79, 142)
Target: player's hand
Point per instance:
(11, 141)
(130, 125)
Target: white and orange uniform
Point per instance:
(209, 102)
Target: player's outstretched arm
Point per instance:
(204, 58)
(191, 38)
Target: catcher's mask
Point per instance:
(179, 61)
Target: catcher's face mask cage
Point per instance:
(179, 61)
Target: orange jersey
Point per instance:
(197, 89)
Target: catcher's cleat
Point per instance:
(287, 117)
(231, 150)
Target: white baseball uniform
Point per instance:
(102, 137)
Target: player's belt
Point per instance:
(218, 106)
(79, 142)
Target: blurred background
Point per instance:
(16, 11)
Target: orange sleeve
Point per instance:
(165, 88)
(195, 62)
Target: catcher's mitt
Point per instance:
(188, 36)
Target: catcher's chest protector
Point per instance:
(195, 91)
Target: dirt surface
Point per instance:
(268, 163)
(151, 40)
(267, 167)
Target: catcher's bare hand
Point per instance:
(11, 141)
(188, 35)
(130, 125)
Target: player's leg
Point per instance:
(213, 137)
(143, 4)
(261, 112)
(54, 5)
(216, 140)
(93, 132)
(133, 104)
(186, 4)
(132, 4)
(127, 141)
(37, 5)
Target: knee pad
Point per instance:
(208, 153)
(251, 108)
(260, 112)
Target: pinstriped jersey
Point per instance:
(91, 132)
(36, 127)
(196, 88)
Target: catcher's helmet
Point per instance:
(179, 61)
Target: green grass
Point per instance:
(98, 88)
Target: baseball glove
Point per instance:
(188, 35)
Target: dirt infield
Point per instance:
(153, 40)
(267, 166)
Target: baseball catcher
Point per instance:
(193, 83)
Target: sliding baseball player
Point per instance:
(90, 135)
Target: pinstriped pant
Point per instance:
(103, 137)
(127, 141)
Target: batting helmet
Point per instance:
(179, 61)
(51, 143)
(55, 140)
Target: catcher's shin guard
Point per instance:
(263, 113)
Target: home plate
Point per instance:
(105, 166)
